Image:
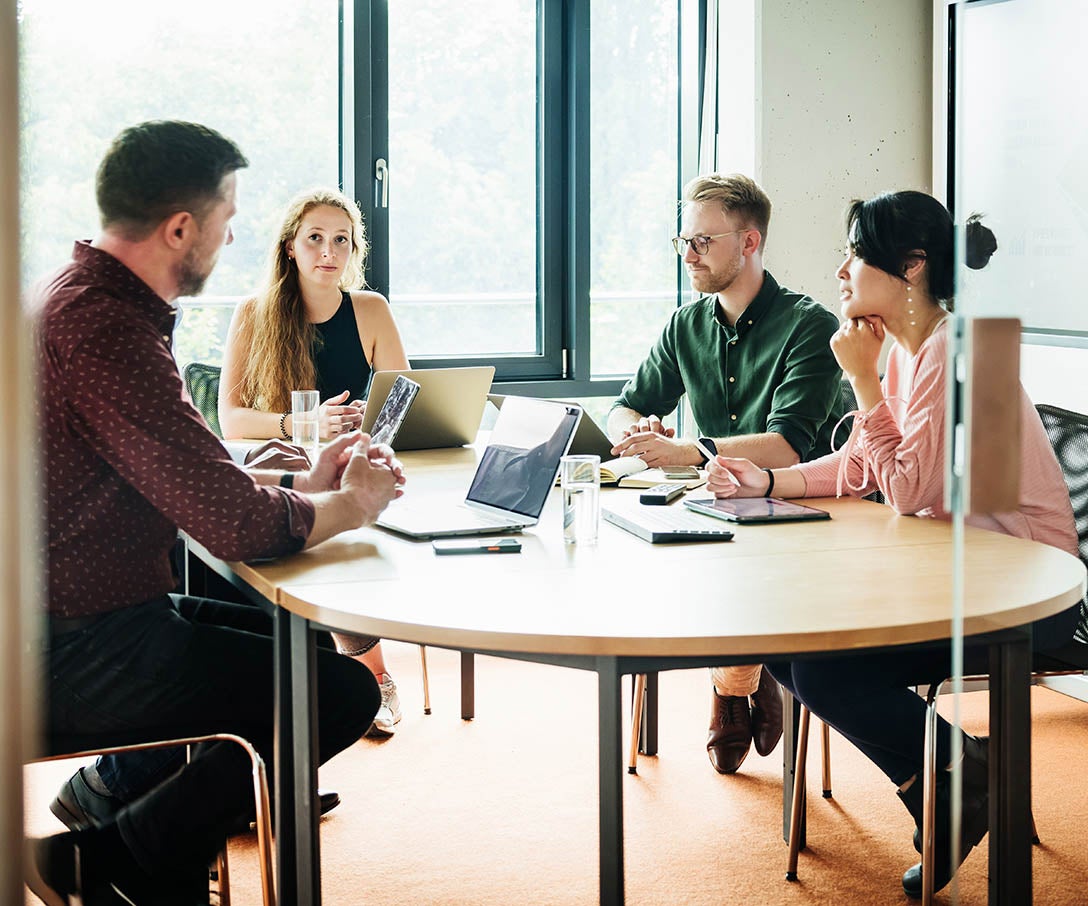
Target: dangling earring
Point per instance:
(910, 302)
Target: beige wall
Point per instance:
(842, 111)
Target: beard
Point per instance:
(192, 273)
(716, 281)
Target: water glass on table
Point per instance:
(580, 481)
(304, 421)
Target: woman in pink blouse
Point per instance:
(897, 280)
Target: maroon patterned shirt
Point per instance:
(128, 460)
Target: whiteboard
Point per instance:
(1022, 132)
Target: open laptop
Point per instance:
(511, 483)
(588, 440)
(447, 409)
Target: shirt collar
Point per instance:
(129, 288)
(755, 310)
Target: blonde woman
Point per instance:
(311, 325)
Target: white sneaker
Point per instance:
(389, 714)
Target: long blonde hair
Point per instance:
(280, 338)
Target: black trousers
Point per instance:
(868, 698)
(182, 666)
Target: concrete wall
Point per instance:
(842, 110)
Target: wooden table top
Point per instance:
(867, 577)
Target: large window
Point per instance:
(263, 72)
(528, 153)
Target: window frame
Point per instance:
(563, 180)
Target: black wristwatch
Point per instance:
(707, 442)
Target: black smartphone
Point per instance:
(476, 545)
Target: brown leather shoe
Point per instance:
(766, 713)
(730, 732)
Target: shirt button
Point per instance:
(732, 342)
(733, 418)
(749, 322)
(731, 379)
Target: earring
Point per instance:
(910, 302)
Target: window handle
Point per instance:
(381, 174)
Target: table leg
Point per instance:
(1010, 773)
(791, 719)
(468, 685)
(648, 735)
(304, 724)
(283, 757)
(610, 773)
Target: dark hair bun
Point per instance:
(981, 243)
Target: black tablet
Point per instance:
(755, 509)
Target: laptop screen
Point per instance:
(521, 461)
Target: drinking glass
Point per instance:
(304, 424)
(580, 480)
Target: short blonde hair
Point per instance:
(737, 194)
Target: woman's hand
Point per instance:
(856, 345)
(727, 476)
(335, 416)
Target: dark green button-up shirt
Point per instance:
(773, 371)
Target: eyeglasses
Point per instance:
(699, 244)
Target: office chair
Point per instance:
(260, 796)
(1068, 432)
(202, 384)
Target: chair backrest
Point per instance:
(202, 382)
(1068, 433)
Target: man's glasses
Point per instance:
(699, 244)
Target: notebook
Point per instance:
(512, 481)
(755, 509)
(662, 524)
(651, 478)
(447, 410)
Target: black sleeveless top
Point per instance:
(338, 354)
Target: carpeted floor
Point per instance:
(503, 810)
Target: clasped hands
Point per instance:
(328, 472)
(656, 445)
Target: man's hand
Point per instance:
(372, 477)
(658, 449)
(648, 424)
(278, 455)
(325, 473)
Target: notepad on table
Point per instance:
(651, 478)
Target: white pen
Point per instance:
(702, 448)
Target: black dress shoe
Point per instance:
(974, 817)
(730, 734)
(766, 713)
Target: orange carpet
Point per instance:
(503, 810)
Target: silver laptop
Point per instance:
(589, 439)
(447, 409)
(512, 481)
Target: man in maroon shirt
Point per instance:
(128, 460)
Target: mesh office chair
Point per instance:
(202, 383)
(1068, 432)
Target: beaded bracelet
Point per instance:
(770, 487)
(283, 426)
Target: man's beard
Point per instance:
(191, 275)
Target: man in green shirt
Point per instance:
(755, 362)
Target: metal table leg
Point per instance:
(610, 773)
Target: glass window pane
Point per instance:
(633, 154)
(462, 159)
(262, 72)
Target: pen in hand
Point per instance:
(711, 456)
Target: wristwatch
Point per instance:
(707, 442)
(287, 480)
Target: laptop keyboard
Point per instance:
(659, 524)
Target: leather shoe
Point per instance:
(730, 732)
(81, 808)
(766, 713)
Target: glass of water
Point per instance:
(304, 433)
(580, 480)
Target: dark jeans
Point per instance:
(176, 667)
(868, 698)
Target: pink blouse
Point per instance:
(898, 448)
